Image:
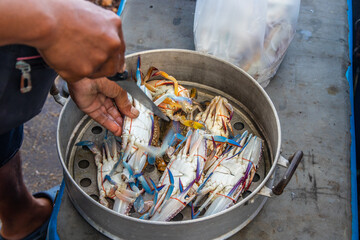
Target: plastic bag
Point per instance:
(253, 35)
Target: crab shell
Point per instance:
(137, 131)
(184, 167)
(217, 117)
(169, 106)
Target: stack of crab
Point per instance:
(202, 164)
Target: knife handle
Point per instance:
(119, 76)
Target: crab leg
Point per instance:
(171, 78)
(164, 197)
(138, 72)
(154, 152)
(99, 163)
(156, 193)
(222, 140)
(150, 71)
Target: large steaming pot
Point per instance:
(256, 107)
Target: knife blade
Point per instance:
(134, 90)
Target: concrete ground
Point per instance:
(40, 162)
(41, 165)
(310, 93)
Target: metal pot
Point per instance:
(211, 76)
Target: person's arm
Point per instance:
(75, 37)
(24, 22)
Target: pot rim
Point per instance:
(239, 204)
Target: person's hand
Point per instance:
(86, 40)
(97, 98)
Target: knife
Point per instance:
(134, 90)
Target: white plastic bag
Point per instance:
(253, 35)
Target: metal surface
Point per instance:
(200, 70)
(295, 161)
(82, 166)
(133, 89)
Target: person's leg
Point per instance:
(20, 212)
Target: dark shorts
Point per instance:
(17, 107)
(10, 144)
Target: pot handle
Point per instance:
(294, 162)
(54, 91)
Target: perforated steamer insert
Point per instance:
(82, 164)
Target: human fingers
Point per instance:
(105, 119)
(112, 90)
(113, 111)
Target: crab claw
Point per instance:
(85, 143)
(236, 138)
(128, 172)
(108, 178)
(193, 213)
(181, 187)
(90, 145)
(182, 141)
(151, 160)
(198, 174)
(166, 197)
(139, 204)
(156, 193)
(146, 216)
(176, 136)
(154, 152)
(94, 149)
(171, 187)
(138, 72)
(144, 184)
(223, 140)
